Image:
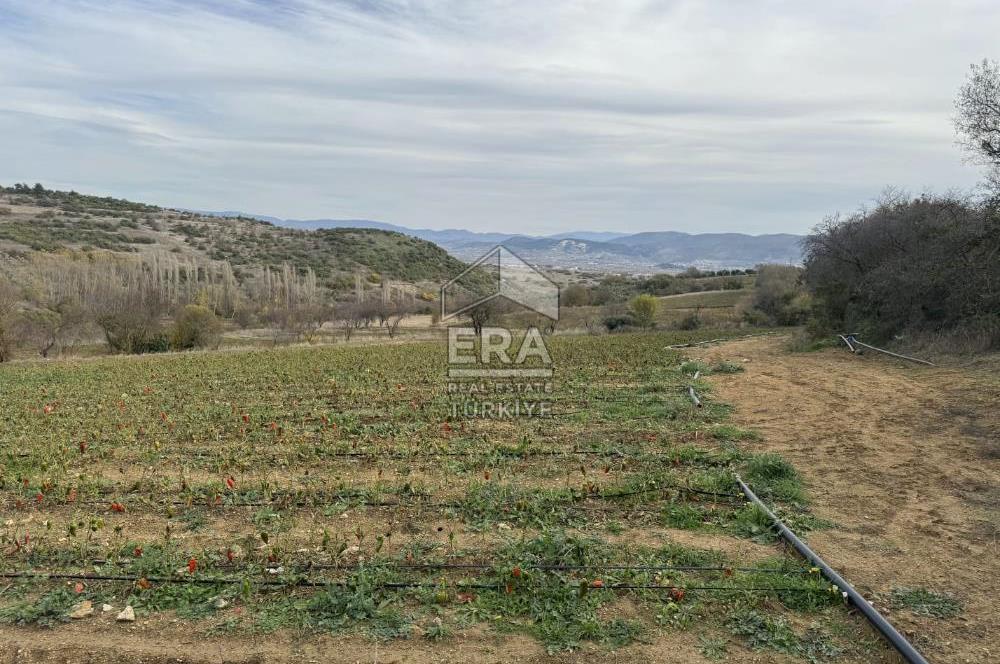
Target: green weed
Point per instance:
(46, 611)
(924, 602)
(771, 476)
(713, 648)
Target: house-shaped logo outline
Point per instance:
(545, 303)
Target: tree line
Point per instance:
(51, 302)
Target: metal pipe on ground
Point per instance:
(719, 340)
(847, 340)
(694, 396)
(895, 639)
(854, 340)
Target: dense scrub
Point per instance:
(909, 266)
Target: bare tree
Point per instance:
(397, 312)
(483, 314)
(366, 313)
(55, 328)
(308, 318)
(352, 316)
(9, 298)
(347, 327)
(977, 119)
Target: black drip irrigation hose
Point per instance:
(499, 453)
(667, 487)
(851, 340)
(398, 585)
(578, 568)
(377, 405)
(665, 416)
(527, 454)
(310, 565)
(359, 499)
(897, 640)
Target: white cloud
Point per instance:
(493, 115)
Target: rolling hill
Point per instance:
(39, 220)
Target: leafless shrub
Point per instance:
(132, 321)
(9, 298)
(396, 313)
(55, 329)
(352, 316)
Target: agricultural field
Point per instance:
(713, 309)
(325, 502)
(720, 299)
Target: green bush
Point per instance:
(195, 327)
(643, 309)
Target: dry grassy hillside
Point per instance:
(33, 219)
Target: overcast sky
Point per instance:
(534, 116)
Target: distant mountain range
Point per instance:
(593, 250)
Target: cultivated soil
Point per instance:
(904, 459)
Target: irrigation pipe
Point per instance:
(694, 396)
(481, 455)
(897, 640)
(851, 339)
(716, 341)
(847, 340)
(310, 565)
(398, 585)
(357, 500)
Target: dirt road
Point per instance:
(905, 460)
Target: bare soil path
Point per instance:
(904, 459)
